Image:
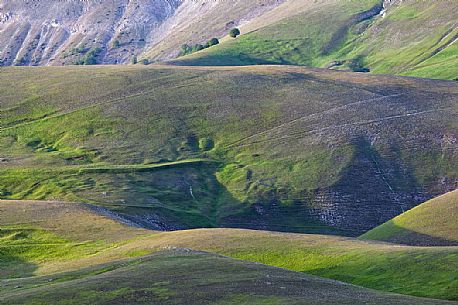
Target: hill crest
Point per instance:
(432, 223)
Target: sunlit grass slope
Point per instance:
(45, 239)
(416, 38)
(296, 32)
(431, 223)
(282, 148)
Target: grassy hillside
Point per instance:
(188, 277)
(37, 233)
(285, 35)
(45, 239)
(416, 38)
(431, 223)
(283, 148)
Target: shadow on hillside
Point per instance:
(408, 237)
(372, 189)
(12, 266)
(239, 59)
(188, 197)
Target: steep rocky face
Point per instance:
(61, 32)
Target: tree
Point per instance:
(197, 47)
(212, 42)
(234, 32)
(185, 49)
(91, 57)
(89, 60)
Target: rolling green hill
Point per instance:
(282, 148)
(70, 252)
(189, 277)
(416, 38)
(429, 224)
(256, 171)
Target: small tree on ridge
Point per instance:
(234, 32)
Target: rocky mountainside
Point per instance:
(51, 32)
(56, 32)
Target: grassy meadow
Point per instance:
(183, 276)
(266, 148)
(240, 174)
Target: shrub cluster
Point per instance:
(90, 58)
(116, 44)
(81, 50)
(357, 64)
(134, 60)
(187, 49)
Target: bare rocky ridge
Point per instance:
(47, 32)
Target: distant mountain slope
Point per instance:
(433, 223)
(197, 21)
(61, 32)
(51, 32)
(281, 148)
(296, 32)
(417, 38)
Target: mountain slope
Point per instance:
(64, 32)
(429, 224)
(47, 246)
(296, 32)
(56, 32)
(282, 148)
(416, 38)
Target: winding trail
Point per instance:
(234, 144)
(294, 135)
